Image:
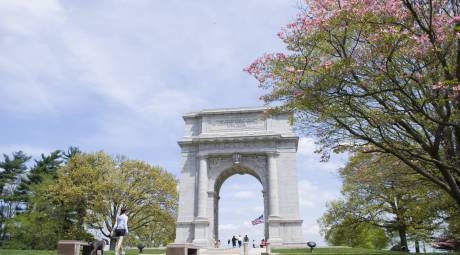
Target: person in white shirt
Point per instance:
(121, 230)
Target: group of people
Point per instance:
(237, 241)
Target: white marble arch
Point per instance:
(222, 142)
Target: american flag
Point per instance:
(258, 220)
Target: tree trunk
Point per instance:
(417, 246)
(403, 237)
(113, 242)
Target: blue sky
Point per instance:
(117, 76)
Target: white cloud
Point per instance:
(244, 194)
(56, 53)
(27, 17)
(306, 146)
(236, 186)
(228, 227)
(312, 233)
(312, 160)
(131, 70)
(311, 229)
(257, 209)
(312, 196)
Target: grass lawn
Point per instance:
(26, 252)
(296, 251)
(31, 252)
(343, 250)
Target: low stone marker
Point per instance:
(70, 247)
(181, 249)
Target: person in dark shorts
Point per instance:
(121, 230)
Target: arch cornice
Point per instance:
(237, 138)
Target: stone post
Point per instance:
(202, 187)
(245, 248)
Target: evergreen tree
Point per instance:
(12, 168)
(45, 167)
(71, 151)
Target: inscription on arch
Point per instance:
(235, 123)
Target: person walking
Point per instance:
(240, 240)
(234, 241)
(121, 230)
(246, 239)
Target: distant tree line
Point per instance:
(77, 195)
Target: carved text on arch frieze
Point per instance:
(238, 145)
(235, 123)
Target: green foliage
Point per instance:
(155, 234)
(69, 192)
(342, 229)
(452, 231)
(12, 168)
(45, 167)
(45, 222)
(71, 151)
(382, 73)
(33, 230)
(97, 186)
(381, 192)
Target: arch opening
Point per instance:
(237, 203)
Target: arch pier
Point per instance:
(220, 143)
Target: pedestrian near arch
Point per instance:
(121, 230)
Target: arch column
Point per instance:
(273, 186)
(202, 187)
(201, 221)
(274, 225)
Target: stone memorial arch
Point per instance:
(223, 142)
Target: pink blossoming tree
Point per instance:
(381, 76)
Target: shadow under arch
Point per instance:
(222, 177)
